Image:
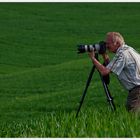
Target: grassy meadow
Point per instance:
(42, 77)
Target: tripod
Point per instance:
(107, 92)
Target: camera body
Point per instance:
(99, 48)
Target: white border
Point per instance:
(70, 1)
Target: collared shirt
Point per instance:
(126, 65)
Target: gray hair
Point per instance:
(116, 37)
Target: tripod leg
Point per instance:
(87, 85)
(107, 92)
(110, 99)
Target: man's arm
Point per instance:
(102, 69)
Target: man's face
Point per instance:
(110, 45)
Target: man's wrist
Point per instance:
(94, 59)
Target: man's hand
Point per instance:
(103, 70)
(91, 54)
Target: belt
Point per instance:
(134, 88)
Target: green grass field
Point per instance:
(42, 77)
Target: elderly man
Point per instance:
(125, 64)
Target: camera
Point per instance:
(99, 48)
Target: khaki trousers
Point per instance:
(133, 100)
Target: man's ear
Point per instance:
(118, 44)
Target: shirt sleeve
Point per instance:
(117, 64)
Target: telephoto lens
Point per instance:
(99, 48)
